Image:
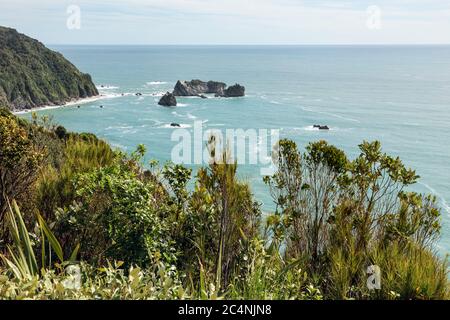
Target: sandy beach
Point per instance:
(73, 102)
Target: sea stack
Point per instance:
(197, 88)
(168, 100)
(234, 91)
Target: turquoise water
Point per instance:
(398, 95)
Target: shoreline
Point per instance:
(67, 104)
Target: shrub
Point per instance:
(116, 216)
(222, 219)
(55, 188)
(20, 160)
(144, 234)
(108, 283)
(334, 215)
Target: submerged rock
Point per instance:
(168, 100)
(234, 91)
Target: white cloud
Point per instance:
(231, 21)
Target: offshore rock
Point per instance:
(168, 100)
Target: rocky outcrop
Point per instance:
(234, 91)
(199, 88)
(168, 100)
(216, 87)
(32, 75)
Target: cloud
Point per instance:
(231, 21)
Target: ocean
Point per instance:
(399, 95)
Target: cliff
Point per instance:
(32, 75)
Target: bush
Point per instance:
(20, 161)
(108, 283)
(144, 234)
(55, 188)
(221, 220)
(335, 215)
(116, 216)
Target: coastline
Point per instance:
(67, 104)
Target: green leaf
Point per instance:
(56, 246)
(73, 256)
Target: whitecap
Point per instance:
(155, 94)
(106, 87)
(209, 96)
(182, 126)
(119, 127)
(307, 128)
(156, 83)
(74, 102)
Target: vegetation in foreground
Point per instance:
(70, 200)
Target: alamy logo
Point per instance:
(74, 20)
(373, 18)
(73, 280)
(374, 279)
(251, 146)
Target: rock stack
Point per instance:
(168, 100)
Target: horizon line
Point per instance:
(250, 45)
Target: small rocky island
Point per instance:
(234, 91)
(168, 100)
(200, 88)
(321, 127)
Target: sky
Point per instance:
(289, 22)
